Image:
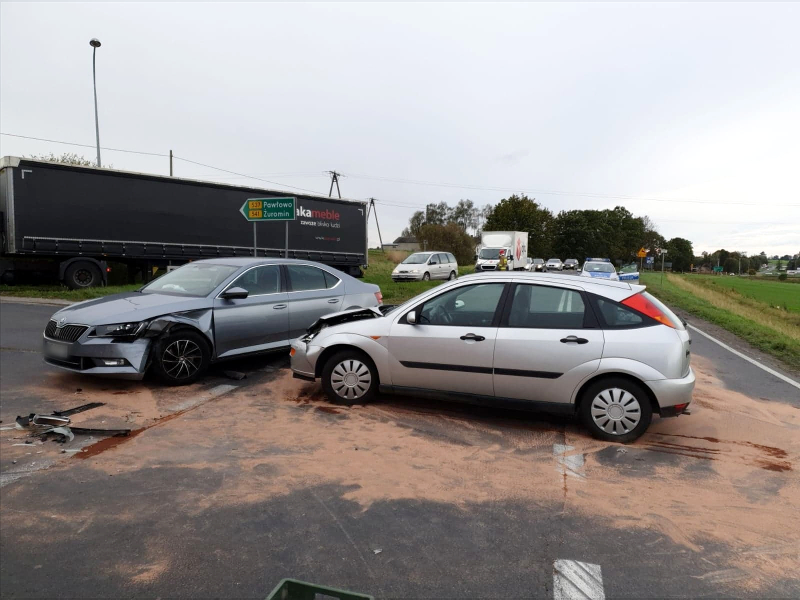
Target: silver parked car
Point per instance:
(607, 351)
(554, 264)
(423, 266)
(204, 311)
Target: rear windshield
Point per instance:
(194, 279)
(674, 319)
(599, 268)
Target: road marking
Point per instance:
(573, 580)
(780, 376)
(568, 465)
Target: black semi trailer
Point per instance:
(73, 220)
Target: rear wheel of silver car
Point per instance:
(181, 358)
(616, 410)
(452, 276)
(426, 276)
(350, 377)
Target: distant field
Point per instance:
(752, 317)
(785, 294)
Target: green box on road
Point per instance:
(269, 209)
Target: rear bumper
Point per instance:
(673, 395)
(407, 277)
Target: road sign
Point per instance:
(717, 269)
(650, 260)
(641, 253)
(269, 209)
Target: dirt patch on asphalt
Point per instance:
(720, 478)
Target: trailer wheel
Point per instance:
(82, 274)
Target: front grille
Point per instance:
(67, 333)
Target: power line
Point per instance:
(246, 176)
(556, 192)
(27, 137)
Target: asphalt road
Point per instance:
(230, 485)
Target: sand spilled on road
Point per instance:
(722, 478)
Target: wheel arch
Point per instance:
(100, 265)
(579, 396)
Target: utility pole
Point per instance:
(95, 44)
(375, 210)
(334, 179)
(170, 163)
(663, 254)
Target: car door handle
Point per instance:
(333, 301)
(574, 339)
(472, 337)
(279, 306)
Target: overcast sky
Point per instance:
(572, 103)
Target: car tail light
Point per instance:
(379, 297)
(679, 408)
(641, 304)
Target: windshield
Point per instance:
(599, 268)
(538, 261)
(417, 259)
(194, 279)
(554, 260)
(489, 253)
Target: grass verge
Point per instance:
(774, 331)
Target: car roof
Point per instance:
(249, 261)
(553, 278)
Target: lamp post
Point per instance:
(95, 44)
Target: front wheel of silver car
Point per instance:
(426, 276)
(616, 410)
(181, 358)
(350, 377)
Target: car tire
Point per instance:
(426, 276)
(349, 377)
(82, 274)
(616, 410)
(452, 276)
(184, 344)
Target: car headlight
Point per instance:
(120, 329)
(414, 271)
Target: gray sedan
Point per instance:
(205, 311)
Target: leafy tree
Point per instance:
(680, 253)
(730, 265)
(465, 215)
(448, 238)
(416, 221)
(437, 214)
(520, 213)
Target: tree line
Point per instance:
(611, 233)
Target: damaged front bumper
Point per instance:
(304, 360)
(99, 356)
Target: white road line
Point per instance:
(573, 580)
(569, 465)
(780, 376)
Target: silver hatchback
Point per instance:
(607, 351)
(205, 311)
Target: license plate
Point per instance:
(56, 350)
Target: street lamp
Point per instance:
(95, 44)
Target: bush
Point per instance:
(751, 271)
(782, 276)
(448, 238)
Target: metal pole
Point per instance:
(375, 212)
(662, 268)
(255, 247)
(170, 163)
(96, 120)
(286, 254)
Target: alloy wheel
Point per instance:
(616, 411)
(351, 379)
(182, 359)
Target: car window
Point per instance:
(330, 279)
(544, 307)
(434, 259)
(194, 279)
(305, 278)
(417, 259)
(260, 280)
(443, 259)
(598, 267)
(467, 306)
(451, 258)
(616, 316)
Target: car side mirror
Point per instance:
(234, 293)
(476, 257)
(434, 262)
(411, 318)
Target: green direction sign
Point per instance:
(269, 209)
(718, 269)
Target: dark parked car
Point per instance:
(571, 263)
